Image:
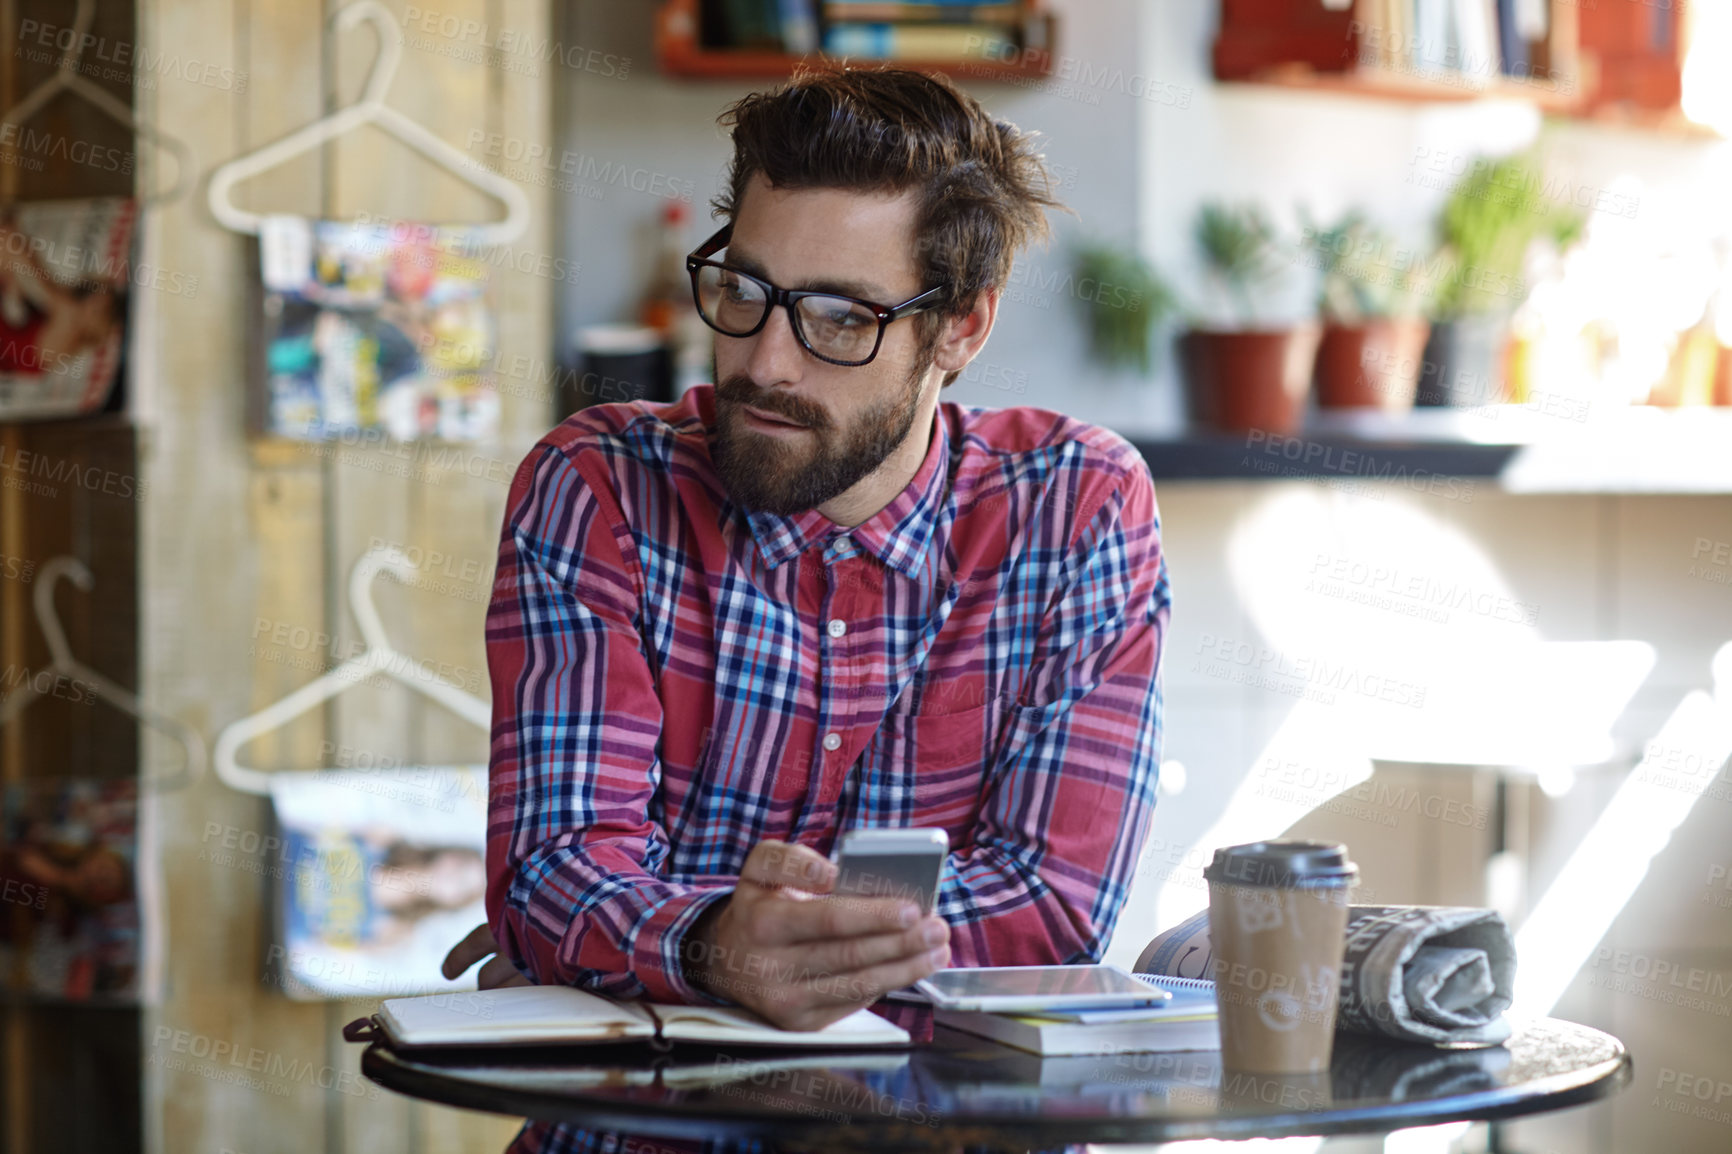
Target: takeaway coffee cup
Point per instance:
(1278, 924)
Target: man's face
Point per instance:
(792, 431)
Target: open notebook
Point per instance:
(561, 1015)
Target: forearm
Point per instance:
(590, 916)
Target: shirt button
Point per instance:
(838, 627)
(838, 544)
(832, 742)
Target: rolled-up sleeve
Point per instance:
(577, 889)
(1068, 799)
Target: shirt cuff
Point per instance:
(656, 948)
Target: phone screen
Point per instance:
(910, 876)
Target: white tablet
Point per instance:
(1029, 988)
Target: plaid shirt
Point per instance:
(676, 680)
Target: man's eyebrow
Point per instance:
(849, 288)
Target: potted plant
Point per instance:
(1493, 215)
(1373, 334)
(1122, 298)
(1252, 375)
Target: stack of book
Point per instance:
(910, 30)
(1479, 39)
(1465, 43)
(922, 29)
(1187, 1022)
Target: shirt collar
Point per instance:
(898, 534)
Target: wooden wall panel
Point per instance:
(281, 525)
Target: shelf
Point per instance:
(678, 53)
(1515, 448)
(1383, 84)
(1597, 62)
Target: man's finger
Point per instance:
(781, 922)
(467, 952)
(777, 864)
(499, 972)
(863, 987)
(847, 955)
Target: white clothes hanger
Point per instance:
(64, 664)
(378, 657)
(68, 79)
(370, 109)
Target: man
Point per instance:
(812, 599)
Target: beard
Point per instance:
(785, 476)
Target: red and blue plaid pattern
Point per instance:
(668, 671)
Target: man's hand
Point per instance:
(802, 960)
(480, 944)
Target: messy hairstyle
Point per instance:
(983, 185)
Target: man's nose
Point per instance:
(777, 355)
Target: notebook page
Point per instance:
(514, 1014)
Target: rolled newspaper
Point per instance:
(1420, 973)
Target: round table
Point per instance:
(965, 1091)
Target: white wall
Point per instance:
(1595, 568)
(667, 126)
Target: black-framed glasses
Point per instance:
(840, 330)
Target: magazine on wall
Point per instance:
(70, 924)
(379, 872)
(378, 329)
(65, 268)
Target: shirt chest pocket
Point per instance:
(926, 768)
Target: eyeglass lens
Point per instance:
(833, 327)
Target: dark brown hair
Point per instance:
(983, 184)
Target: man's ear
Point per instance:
(962, 338)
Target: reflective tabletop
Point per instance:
(963, 1090)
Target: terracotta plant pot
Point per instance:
(1239, 381)
(1371, 366)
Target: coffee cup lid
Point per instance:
(1283, 864)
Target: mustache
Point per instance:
(739, 390)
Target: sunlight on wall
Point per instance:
(1707, 79)
(1610, 862)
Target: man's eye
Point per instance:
(843, 316)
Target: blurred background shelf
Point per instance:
(687, 34)
(1636, 450)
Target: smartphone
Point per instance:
(1036, 988)
(892, 863)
